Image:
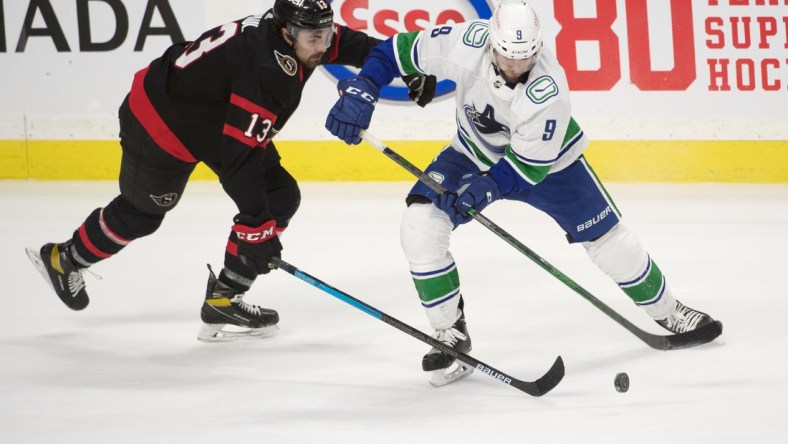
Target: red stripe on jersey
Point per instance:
(239, 135)
(154, 125)
(253, 108)
(232, 248)
(335, 49)
(83, 236)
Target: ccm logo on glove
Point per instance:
(357, 92)
(255, 235)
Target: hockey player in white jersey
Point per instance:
(516, 140)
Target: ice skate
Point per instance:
(57, 268)
(227, 317)
(444, 369)
(684, 319)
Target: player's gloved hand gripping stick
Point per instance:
(691, 338)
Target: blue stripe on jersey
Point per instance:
(569, 145)
(640, 278)
(415, 53)
(434, 272)
(464, 144)
(441, 300)
(532, 161)
(563, 151)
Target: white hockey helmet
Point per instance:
(515, 32)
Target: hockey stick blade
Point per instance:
(534, 388)
(693, 338)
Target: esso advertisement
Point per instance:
(384, 18)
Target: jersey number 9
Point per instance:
(549, 130)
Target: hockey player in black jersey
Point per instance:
(218, 100)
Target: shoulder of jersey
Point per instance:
(273, 54)
(470, 42)
(547, 82)
(471, 34)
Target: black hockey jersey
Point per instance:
(221, 98)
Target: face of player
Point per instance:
(311, 44)
(512, 69)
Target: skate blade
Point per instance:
(215, 333)
(456, 371)
(35, 258)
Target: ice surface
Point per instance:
(129, 369)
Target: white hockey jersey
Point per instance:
(529, 126)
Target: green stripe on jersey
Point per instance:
(599, 184)
(476, 151)
(572, 130)
(534, 173)
(404, 49)
(437, 287)
(648, 288)
(537, 173)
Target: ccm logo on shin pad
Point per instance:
(255, 235)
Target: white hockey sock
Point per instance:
(425, 234)
(621, 256)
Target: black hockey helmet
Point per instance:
(294, 15)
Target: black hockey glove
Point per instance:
(421, 88)
(256, 242)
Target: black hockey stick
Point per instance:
(699, 336)
(535, 388)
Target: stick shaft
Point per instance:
(660, 342)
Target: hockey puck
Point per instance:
(622, 382)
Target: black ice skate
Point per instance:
(684, 319)
(55, 265)
(225, 305)
(443, 368)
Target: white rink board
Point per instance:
(74, 94)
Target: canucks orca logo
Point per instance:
(400, 93)
(484, 124)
